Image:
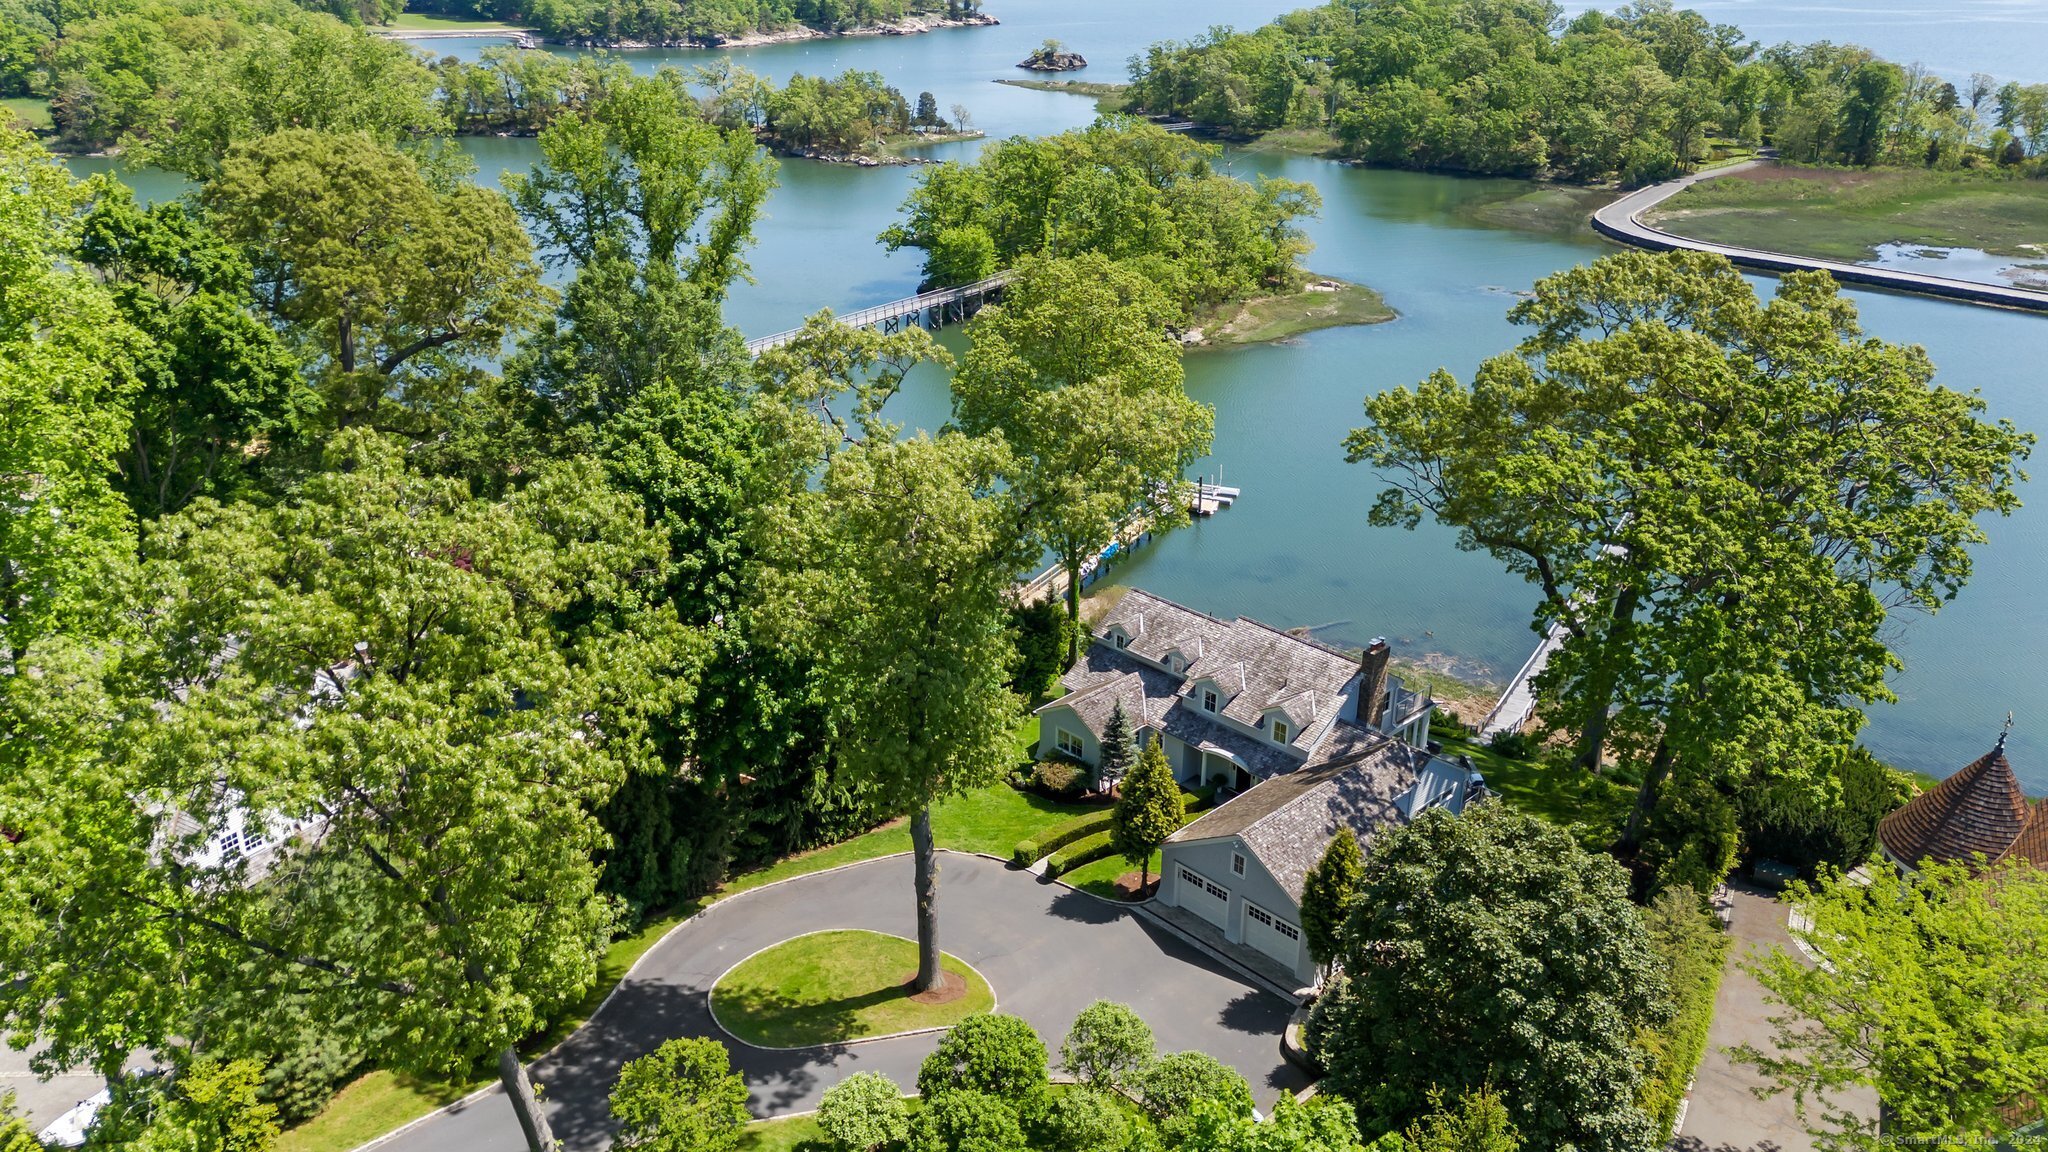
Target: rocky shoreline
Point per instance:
(912, 26)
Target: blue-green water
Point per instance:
(1296, 550)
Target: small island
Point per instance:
(1052, 56)
(1313, 303)
(853, 118)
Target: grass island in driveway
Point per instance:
(837, 986)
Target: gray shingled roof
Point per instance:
(1259, 666)
(1288, 820)
(1103, 677)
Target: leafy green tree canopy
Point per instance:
(682, 1097)
(987, 1052)
(1327, 894)
(1109, 1046)
(1489, 949)
(1931, 996)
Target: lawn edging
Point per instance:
(620, 983)
(711, 1000)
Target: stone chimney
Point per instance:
(1372, 681)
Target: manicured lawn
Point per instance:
(828, 987)
(33, 111)
(1099, 877)
(368, 1108)
(989, 820)
(790, 1134)
(1844, 215)
(1566, 796)
(428, 22)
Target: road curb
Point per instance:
(1623, 224)
(711, 1001)
(487, 1089)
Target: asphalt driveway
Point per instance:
(1048, 952)
(1725, 1114)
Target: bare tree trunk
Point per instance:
(1600, 700)
(927, 859)
(1073, 612)
(1646, 796)
(532, 1121)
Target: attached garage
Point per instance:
(1272, 935)
(1204, 897)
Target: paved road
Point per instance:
(1725, 1116)
(1048, 951)
(1621, 221)
(40, 1101)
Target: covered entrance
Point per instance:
(1204, 897)
(1221, 767)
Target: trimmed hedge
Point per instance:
(1084, 852)
(1028, 852)
(1694, 950)
(1196, 799)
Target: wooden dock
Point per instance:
(1516, 705)
(1206, 500)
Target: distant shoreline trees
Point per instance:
(1635, 94)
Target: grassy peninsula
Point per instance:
(1108, 97)
(1845, 214)
(1319, 302)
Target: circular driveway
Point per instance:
(1047, 950)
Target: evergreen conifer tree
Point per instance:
(1119, 751)
(1327, 893)
(1147, 811)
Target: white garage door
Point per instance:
(1271, 935)
(1204, 898)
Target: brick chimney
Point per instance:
(1372, 681)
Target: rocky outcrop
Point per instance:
(1053, 60)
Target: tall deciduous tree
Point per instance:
(1148, 810)
(219, 390)
(385, 280)
(1931, 996)
(1718, 497)
(894, 577)
(67, 379)
(1109, 1046)
(1489, 949)
(1075, 372)
(1326, 896)
(346, 764)
(641, 175)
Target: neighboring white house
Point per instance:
(1232, 703)
(1303, 738)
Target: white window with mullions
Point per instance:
(1070, 744)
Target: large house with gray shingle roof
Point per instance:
(1231, 702)
(1303, 738)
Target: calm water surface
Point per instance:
(1296, 550)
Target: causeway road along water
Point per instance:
(1622, 221)
(1047, 950)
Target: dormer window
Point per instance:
(1122, 641)
(1208, 700)
(1280, 732)
(1175, 664)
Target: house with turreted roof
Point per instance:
(1979, 813)
(1301, 739)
